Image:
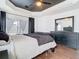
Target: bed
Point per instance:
(26, 47)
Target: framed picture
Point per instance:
(65, 24)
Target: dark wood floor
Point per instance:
(61, 52)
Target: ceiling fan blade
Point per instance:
(26, 6)
(46, 2)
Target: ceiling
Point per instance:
(30, 4)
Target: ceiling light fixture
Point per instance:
(38, 3)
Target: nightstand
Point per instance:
(4, 50)
(4, 54)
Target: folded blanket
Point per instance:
(41, 38)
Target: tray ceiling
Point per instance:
(31, 6)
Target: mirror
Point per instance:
(64, 24)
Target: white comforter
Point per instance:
(26, 47)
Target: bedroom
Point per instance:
(15, 20)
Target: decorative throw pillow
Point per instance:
(4, 36)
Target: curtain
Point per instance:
(16, 24)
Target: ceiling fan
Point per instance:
(44, 2)
(38, 3)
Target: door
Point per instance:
(31, 25)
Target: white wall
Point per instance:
(44, 24)
(47, 23)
